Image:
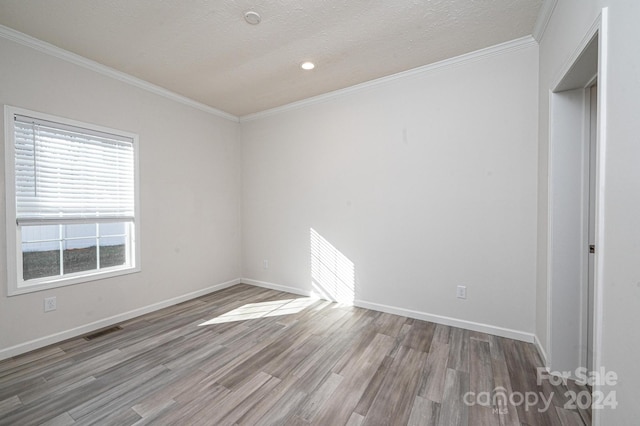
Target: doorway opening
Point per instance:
(573, 207)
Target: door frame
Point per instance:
(598, 32)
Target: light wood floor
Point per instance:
(327, 364)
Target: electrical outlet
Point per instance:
(50, 304)
(461, 292)
(265, 264)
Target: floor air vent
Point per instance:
(102, 332)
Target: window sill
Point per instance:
(46, 284)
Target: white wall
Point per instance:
(620, 279)
(189, 181)
(424, 182)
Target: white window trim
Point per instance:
(13, 247)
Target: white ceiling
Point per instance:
(204, 50)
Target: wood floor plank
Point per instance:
(523, 379)
(420, 336)
(247, 404)
(259, 408)
(312, 405)
(283, 409)
(433, 376)
(495, 346)
(313, 370)
(157, 400)
(459, 350)
(203, 387)
(122, 417)
(193, 410)
(453, 410)
(151, 417)
(247, 367)
(355, 420)
(16, 383)
(294, 355)
(318, 366)
(124, 400)
(569, 418)
(402, 336)
(86, 366)
(388, 324)
(9, 404)
(374, 386)
(391, 405)
(35, 394)
(323, 364)
(480, 372)
(238, 353)
(356, 348)
(585, 414)
(233, 399)
(36, 367)
(441, 333)
(295, 421)
(346, 397)
(109, 395)
(44, 355)
(480, 415)
(279, 404)
(507, 412)
(148, 411)
(63, 419)
(424, 412)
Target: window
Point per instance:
(71, 201)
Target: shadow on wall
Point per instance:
(333, 275)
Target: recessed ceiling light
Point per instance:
(252, 17)
(307, 66)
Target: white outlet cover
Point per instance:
(461, 292)
(50, 304)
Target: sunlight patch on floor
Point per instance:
(271, 308)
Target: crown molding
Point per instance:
(497, 49)
(544, 16)
(49, 49)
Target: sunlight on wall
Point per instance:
(333, 275)
(272, 308)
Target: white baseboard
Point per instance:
(541, 352)
(438, 319)
(107, 322)
(277, 287)
(453, 322)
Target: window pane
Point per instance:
(40, 233)
(113, 251)
(108, 229)
(40, 260)
(80, 255)
(81, 230)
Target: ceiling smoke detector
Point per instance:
(252, 17)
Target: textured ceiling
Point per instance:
(204, 50)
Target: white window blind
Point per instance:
(67, 173)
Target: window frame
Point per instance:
(15, 284)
